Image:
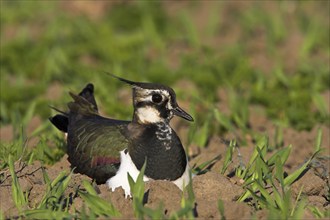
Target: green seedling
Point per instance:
(137, 191)
(266, 185)
(239, 109)
(228, 156)
(142, 212)
(47, 214)
(53, 198)
(278, 137)
(221, 209)
(97, 206)
(187, 203)
(19, 197)
(223, 120)
(15, 149)
(318, 213)
(52, 203)
(204, 167)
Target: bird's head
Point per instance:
(154, 103)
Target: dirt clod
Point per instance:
(118, 200)
(311, 185)
(212, 186)
(165, 193)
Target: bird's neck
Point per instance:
(144, 132)
(160, 146)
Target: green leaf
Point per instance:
(228, 156)
(131, 182)
(265, 194)
(137, 191)
(98, 205)
(46, 214)
(55, 190)
(89, 188)
(138, 188)
(278, 137)
(261, 167)
(278, 198)
(298, 208)
(279, 171)
(202, 168)
(244, 196)
(187, 204)
(262, 201)
(222, 119)
(18, 194)
(59, 178)
(294, 176)
(318, 142)
(221, 209)
(320, 104)
(203, 134)
(260, 146)
(283, 154)
(29, 113)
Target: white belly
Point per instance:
(120, 179)
(184, 180)
(127, 166)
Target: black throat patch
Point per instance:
(161, 147)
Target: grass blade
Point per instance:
(318, 142)
(296, 174)
(18, 194)
(283, 154)
(221, 209)
(98, 205)
(89, 188)
(279, 171)
(46, 214)
(228, 156)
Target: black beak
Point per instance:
(181, 113)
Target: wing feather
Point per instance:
(94, 145)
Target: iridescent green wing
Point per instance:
(94, 145)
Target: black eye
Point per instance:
(156, 98)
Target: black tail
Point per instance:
(61, 121)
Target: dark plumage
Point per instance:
(94, 143)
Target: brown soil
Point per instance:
(208, 187)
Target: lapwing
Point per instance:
(107, 149)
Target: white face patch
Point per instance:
(147, 115)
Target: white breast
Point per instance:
(127, 166)
(184, 180)
(120, 179)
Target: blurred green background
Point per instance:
(242, 53)
(228, 61)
